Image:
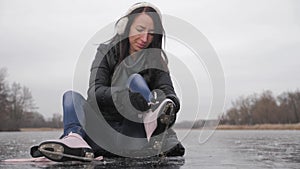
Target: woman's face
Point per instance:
(141, 33)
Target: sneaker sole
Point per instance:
(59, 152)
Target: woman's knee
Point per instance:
(69, 97)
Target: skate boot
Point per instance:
(70, 148)
(167, 144)
(160, 117)
(172, 142)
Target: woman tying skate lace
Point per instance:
(129, 85)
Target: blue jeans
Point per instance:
(137, 84)
(73, 112)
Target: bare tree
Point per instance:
(264, 108)
(290, 106)
(4, 102)
(295, 103)
(56, 120)
(16, 104)
(28, 103)
(33, 119)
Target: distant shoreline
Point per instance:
(219, 127)
(41, 129)
(260, 127)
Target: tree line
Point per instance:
(18, 109)
(264, 108)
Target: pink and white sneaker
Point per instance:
(70, 148)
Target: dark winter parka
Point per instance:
(101, 91)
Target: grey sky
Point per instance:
(258, 42)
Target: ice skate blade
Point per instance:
(60, 153)
(52, 151)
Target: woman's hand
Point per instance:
(138, 101)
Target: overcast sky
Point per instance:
(257, 42)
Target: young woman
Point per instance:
(129, 83)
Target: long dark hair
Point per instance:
(121, 43)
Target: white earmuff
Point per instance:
(122, 22)
(121, 25)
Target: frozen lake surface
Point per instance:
(223, 150)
